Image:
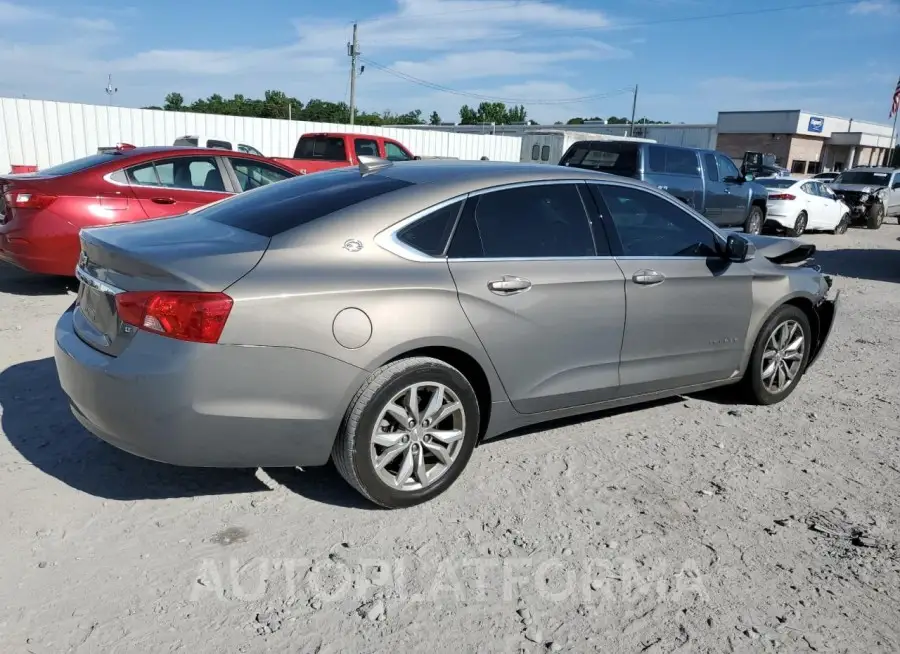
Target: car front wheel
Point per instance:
(409, 432)
(779, 357)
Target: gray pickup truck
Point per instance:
(706, 180)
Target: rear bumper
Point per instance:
(825, 314)
(207, 405)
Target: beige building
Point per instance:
(803, 142)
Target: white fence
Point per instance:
(44, 133)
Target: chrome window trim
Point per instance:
(387, 238)
(89, 280)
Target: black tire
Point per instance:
(351, 451)
(799, 225)
(875, 216)
(755, 391)
(754, 222)
(841, 227)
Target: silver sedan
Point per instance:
(388, 318)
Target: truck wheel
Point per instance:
(754, 222)
(841, 227)
(875, 216)
(799, 225)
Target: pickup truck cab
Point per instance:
(317, 152)
(706, 180)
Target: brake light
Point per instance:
(29, 200)
(186, 316)
(782, 196)
(124, 146)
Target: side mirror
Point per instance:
(737, 248)
(748, 177)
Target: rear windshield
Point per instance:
(862, 177)
(616, 157)
(775, 182)
(223, 145)
(327, 148)
(77, 165)
(276, 208)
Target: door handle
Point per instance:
(163, 200)
(509, 285)
(727, 192)
(648, 277)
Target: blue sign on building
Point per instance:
(816, 124)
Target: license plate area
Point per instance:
(96, 302)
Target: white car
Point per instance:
(798, 205)
(195, 141)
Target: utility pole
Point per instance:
(353, 51)
(110, 90)
(633, 111)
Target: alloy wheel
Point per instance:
(418, 436)
(783, 356)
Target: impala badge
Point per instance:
(353, 245)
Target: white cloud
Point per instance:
(875, 7)
(15, 13)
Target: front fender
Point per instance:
(825, 313)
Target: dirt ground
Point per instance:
(690, 525)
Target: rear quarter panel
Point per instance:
(310, 292)
(690, 190)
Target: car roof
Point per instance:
(455, 177)
(871, 169)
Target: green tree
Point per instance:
(467, 115)
(434, 119)
(174, 102)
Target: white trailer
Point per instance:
(548, 146)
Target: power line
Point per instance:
(487, 98)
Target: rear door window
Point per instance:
(327, 148)
(712, 169)
(537, 221)
(277, 208)
(187, 173)
(616, 157)
(673, 161)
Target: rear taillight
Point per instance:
(29, 200)
(187, 316)
(782, 196)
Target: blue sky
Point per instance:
(840, 60)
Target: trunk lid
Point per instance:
(185, 253)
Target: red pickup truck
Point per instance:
(318, 152)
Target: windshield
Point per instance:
(775, 182)
(77, 165)
(864, 177)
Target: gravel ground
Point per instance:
(688, 525)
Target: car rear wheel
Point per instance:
(799, 225)
(779, 357)
(875, 216)
(409, 432)
(754, 223)
(842, 226)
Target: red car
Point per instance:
(42, 213)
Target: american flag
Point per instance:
(895, 104)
